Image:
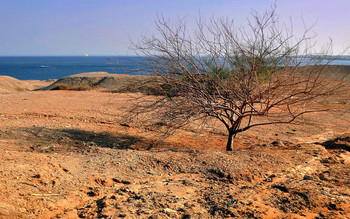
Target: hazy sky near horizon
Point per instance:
(105, 27)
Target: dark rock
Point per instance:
(332, 206)
(323, 177)
(92, 194)
(37, 176)
(281, 187)
(186, 216)
(307, 177)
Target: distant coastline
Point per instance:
(56, 67)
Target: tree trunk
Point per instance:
(229, 145)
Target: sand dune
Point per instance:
(10, 85)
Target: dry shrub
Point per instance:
(231, 74)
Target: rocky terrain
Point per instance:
(93, 80)
(70, 154)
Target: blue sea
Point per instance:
(55, 67)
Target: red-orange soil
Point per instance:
(68, 154)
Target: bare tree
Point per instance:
(232, 74)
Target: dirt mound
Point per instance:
(92, 80)
(9, 85)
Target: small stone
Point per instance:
(332, 206)
(169, 211)
(92, 194)
(186, 216)
(307, 177)
(278, 143)
(323, 177)
(274, 143)
(243, 202)
(143, 211)
(122, 215)
(37, 176)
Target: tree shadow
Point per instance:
(76, 137)
(103, 139)
(338, 143)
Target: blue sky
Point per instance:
(105, 27)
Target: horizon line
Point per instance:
(62, 55)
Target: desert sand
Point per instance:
(70, 154)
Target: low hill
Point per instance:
(10, 85)
(104, 80)
(92, 80)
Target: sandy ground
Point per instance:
(69, 154)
